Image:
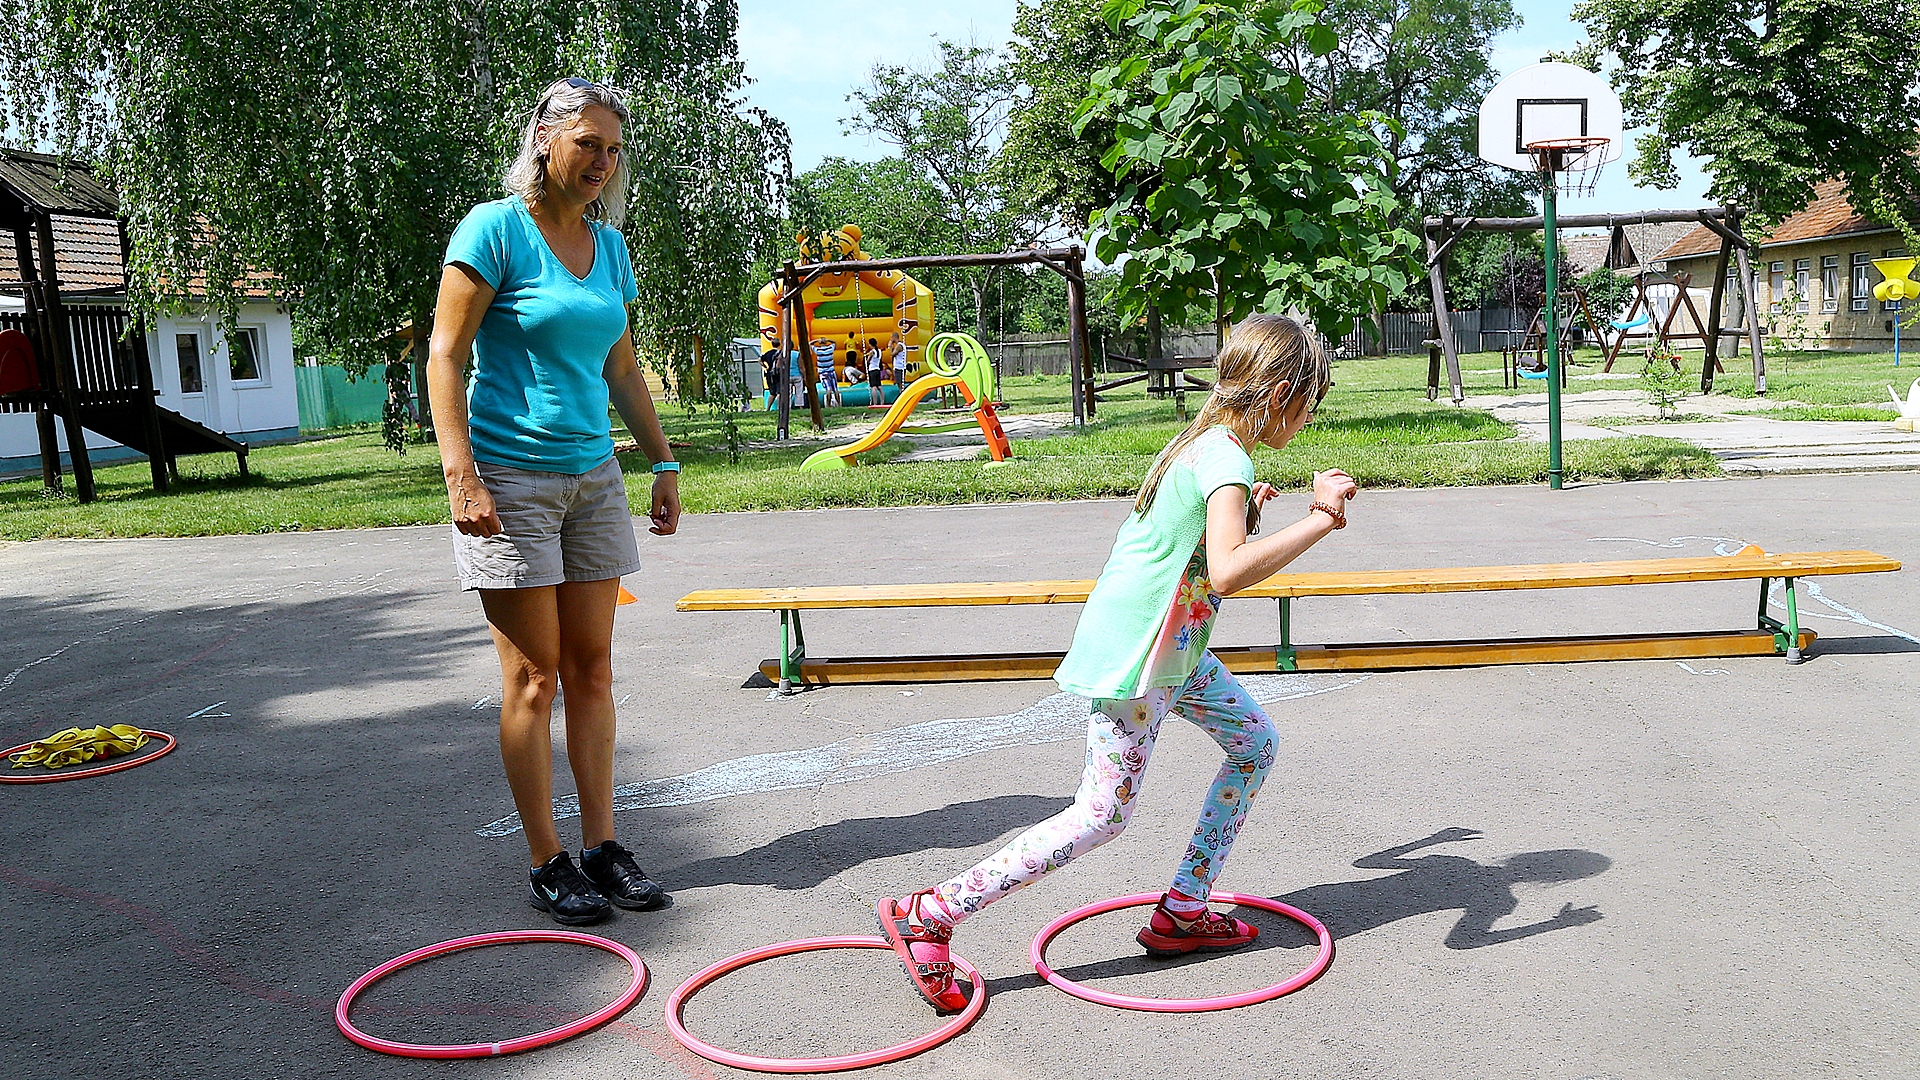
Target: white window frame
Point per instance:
(1777, 284)
(1862, 283)
(260, 365)
(1829, 283)
(1892, 253)
(199, 335)
(1802, 283)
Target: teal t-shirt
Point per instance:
(538, 398)
(1149, 616)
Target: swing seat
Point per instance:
(1528, 373)
(1641, 321)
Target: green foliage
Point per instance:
(1424, 65)
(1609, 292)
(331, 145)
(948, 120)
(1237, 194)
(1775, 95)
(1664, 380)
(1058, 47)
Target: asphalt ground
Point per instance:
(1635, 869)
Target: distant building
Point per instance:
(1815, 269)
(239, 383)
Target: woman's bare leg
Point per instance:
(586, 675)
(526, 633)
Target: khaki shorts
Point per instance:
(554, 528)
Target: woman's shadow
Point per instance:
(1482, 893)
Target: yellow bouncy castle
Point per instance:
(845, 310)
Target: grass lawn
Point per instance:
(1377, 424)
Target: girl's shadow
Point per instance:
(1483, 895)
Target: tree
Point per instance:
(1237, 193)
(949, 121)
(1047, 163)
(334, 145)
(1774, 95)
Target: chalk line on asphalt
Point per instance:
(885, 753)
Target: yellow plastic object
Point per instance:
(76, 746)
(845, 310)
(1897, 286)
(957, 360)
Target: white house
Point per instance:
(238, 381)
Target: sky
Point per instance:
(805, 58)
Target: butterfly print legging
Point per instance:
(1120, 737)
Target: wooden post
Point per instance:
(64, 373)
(809, 370)
(1753, 310)
(1442, 322)
(149, 404)
(1078, 359)
(43, 359)
(1718, 297)
(699, 375)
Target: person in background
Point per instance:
(875, 399)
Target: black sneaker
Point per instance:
(558, 889)
(612, 870)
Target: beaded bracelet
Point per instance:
(1339, 519)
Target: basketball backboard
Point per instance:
(1548, 101)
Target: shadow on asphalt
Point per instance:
(1482, 893)
(808, 858)
(1864, 645)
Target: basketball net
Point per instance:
(1572, 165)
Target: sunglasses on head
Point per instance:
(574, 82)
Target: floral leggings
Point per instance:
(1120, 738)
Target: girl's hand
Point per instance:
(1334, 487)
(1262, 493)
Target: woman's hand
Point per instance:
(665, 511)
(472, 503)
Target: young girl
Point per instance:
(1140, 652)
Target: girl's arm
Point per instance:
(464, 297)
(627, 386)
(1235, 562)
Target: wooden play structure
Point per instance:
(1645, 312)
(1443, 231)
(793, 666)
(82, 363)
(787, 306)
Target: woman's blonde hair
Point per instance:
(559, 107)
(1260, 354)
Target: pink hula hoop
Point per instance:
(50, 776)
(1147, 1004)
(509, 1046)
(931, 1039)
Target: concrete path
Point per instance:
(1745, 445)
(1620, 871)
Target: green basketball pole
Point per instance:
(1554, 473)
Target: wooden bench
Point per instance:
(1770, 637)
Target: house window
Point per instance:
(244, 355)
(1862, 280)
(1777, 284)
(1892, 253)
(187, 348)
(1829, 283)
(1802, 271)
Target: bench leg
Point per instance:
(1283, 655)
(793, 649)
(1786, 635)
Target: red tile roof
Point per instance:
(86, 255)
(1829, 214)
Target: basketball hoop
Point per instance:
(1572, 164)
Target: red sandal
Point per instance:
(1164, 936)
(922, 949)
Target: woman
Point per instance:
(535, 289)
(875, 399)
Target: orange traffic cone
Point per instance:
(626, 598)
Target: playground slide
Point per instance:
(971, 376)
